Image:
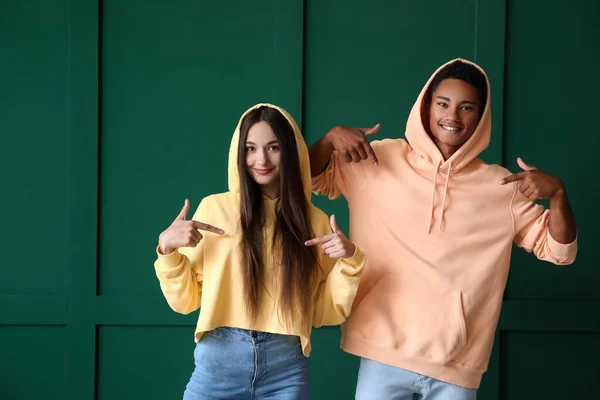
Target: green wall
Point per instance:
(112, 112)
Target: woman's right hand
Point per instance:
(183, 232)
(336, 244)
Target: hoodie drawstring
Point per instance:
(444, 198)
(435, 174)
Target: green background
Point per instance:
(112, 112)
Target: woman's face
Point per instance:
(263, 156)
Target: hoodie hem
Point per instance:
(203, 327)
(452, 372)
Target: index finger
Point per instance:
(513, 178)
(207, 227)
(321, 239)
(371, 153)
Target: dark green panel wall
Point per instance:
(33, 362)
(112, 113)
(550, 365)
(34, 49)
(144, 362)
(551, 88)
(174, 83)
(34, 131)
(367, 63)
(551, 66)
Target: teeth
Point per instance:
(450, 128)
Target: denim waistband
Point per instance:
(245, 335)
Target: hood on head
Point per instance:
(233, 176)
(422, 143)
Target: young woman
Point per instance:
(255, 271)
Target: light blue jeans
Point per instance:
(238, 364)
(377, 381)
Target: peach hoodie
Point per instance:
(439, 235)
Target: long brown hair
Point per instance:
(295, 263)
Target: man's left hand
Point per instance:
(534, 183)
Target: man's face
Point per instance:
(453, 114)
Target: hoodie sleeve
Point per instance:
(337, 292)
(180, 273)
(532, 232)
(339, 178)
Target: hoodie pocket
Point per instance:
(415, 317)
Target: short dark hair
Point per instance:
(465, 72)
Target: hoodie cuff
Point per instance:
(561, 251)
(168, 261)
(357, 260)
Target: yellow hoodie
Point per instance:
(209, 276)
(439, 235)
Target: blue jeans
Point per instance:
(377, 381)
(234, 363)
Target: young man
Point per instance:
(438, 225)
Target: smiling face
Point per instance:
(454, 113)
(263, 156)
